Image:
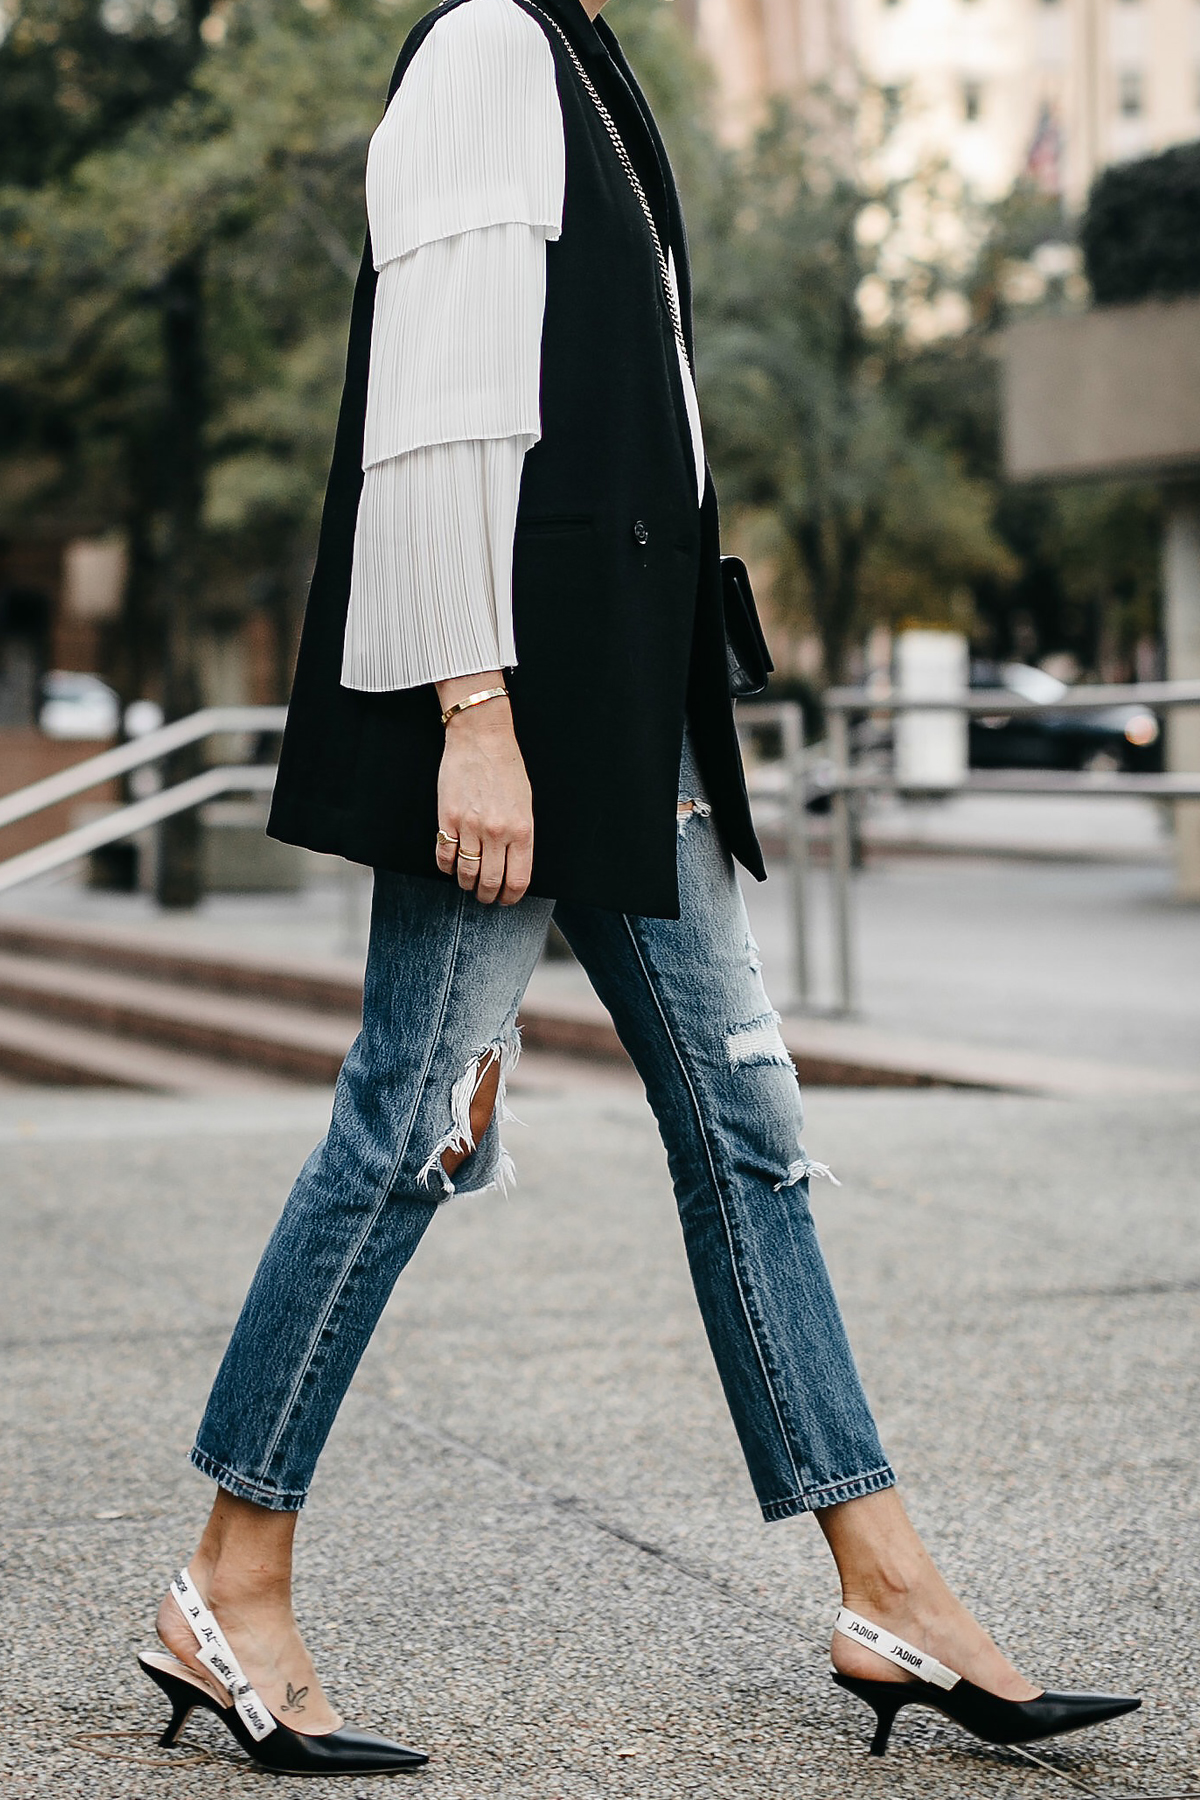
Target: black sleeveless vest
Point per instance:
(616, 578)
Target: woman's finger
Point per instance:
(447, 848)
(518, 868)
(469, 863)
(491, 873)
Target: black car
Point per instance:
(1104, 738)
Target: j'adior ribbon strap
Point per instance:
(626, 162)
(219, 1659)
(894, 1649)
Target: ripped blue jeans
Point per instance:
(445, 977)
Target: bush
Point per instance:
(1141, 231)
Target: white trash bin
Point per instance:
(931, 747)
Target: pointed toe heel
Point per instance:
(224, 1690)
(984, 1715)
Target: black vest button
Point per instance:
(641, 531)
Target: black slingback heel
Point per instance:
(224, 1690)
(985, 1715)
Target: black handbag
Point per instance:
(745, 646)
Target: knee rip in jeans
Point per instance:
(691, 809)
(459, 1141)
(760, 1041)
(805, 1169)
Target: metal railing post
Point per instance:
(841, 857)
(796, 826)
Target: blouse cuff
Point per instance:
(431, 581)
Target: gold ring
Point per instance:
(470, 856)
(446, 837)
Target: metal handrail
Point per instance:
(840, 781)
(1003, 700)
(843, 780)
(254, 778)
(210, 721)
(788, 717)
(1080, 782)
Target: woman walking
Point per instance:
(512, 701)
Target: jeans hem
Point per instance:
(834, 1493)
(273, 1499)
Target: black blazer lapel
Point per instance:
(676, 229)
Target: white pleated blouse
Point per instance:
(465, 179)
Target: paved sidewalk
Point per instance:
(1066, 959)
(532, 1546)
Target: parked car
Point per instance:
(74, 705)
(1125, 737)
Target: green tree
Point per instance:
(866, 516)
(176, 300)
(1084, 575)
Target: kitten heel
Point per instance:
(181, 1712)
(885, 1698)
(182, 1692)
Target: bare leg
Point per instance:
(888, 1576)
(482, 1102)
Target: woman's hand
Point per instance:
(484, 799)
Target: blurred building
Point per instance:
(1050, 89)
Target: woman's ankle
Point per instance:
(234, 1586)
(881, 1560)
(244, 1557)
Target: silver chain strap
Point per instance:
(634, 181)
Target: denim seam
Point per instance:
(833, 1487)
(369, 1226)
(751, 1323)
(243, 1486)
(850, 1487)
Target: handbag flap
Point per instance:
(749, 658)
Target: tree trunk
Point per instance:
(179, 871)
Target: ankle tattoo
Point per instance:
(295, 1699)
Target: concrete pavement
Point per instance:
(532, 1546)
(1061, 959)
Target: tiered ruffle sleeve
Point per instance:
(464, 186)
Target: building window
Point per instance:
(1131, 94)
(972, 101)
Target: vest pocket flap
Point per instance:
(554, 524)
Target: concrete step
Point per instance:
(291, 1042)
(37, 1049)
(320, 984)
(293, 1019)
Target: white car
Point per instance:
(78, 706)
(75, 705)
